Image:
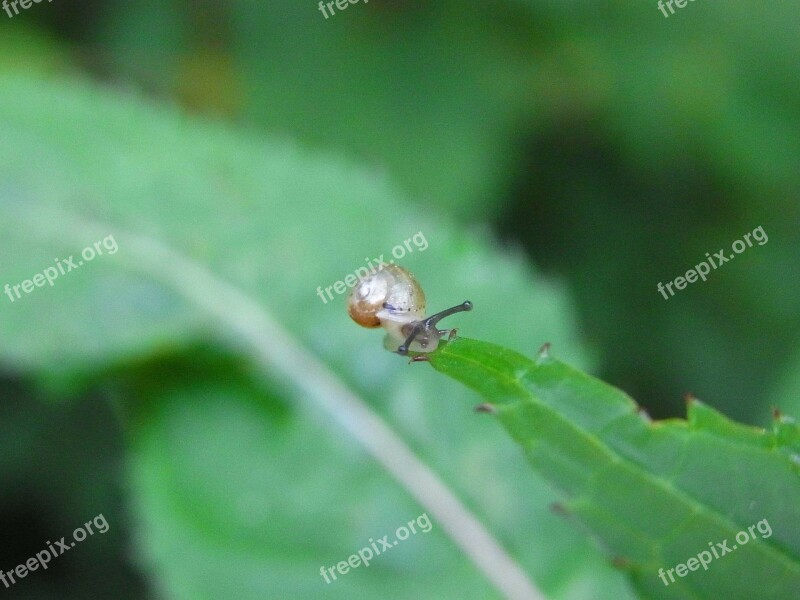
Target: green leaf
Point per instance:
(394, 85)
(228, 512)
(655, 493)
(79, 163)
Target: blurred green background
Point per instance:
(561, 158)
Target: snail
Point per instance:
(393, 299)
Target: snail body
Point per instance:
(392, 298)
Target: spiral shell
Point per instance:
(389, 294)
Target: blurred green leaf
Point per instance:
(234, 502)
(293, 222)
(420, 89)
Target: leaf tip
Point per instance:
(544, 353)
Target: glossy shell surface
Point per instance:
(390, 294)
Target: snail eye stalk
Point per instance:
(392, 298)
(427, 327)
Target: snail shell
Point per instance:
(391, 294)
